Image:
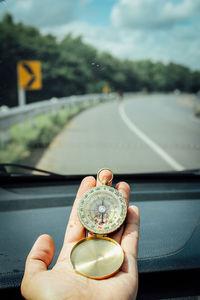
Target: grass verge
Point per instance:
(34, 136)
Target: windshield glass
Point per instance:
(87, 84)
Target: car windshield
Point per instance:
(87, 84)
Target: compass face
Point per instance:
(102, 210)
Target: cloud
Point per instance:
(84, 3)
(133, 33)
(153, 14)
(41, 13)
(180, 45)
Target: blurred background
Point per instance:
(115, 83)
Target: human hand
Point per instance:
(62, 282)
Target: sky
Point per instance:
(160, 30)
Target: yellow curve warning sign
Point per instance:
(29, 75)
(106, 89)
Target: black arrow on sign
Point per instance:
(29, 70)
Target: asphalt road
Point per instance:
(142, 133)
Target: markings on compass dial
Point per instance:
(102, 210)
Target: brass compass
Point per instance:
(101, 210)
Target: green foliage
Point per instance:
(71, 67)
(42, 132)
(13, 152)
(38, 133)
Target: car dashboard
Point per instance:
(169, 243)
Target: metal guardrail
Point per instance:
(16, 115)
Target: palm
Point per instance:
(62, 282)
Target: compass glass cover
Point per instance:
(102, 210)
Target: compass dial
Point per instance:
(102, 210)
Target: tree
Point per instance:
(73, 67)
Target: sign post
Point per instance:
(21, 96)
(29, 78)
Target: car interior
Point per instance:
(112, 84)
(169, 248)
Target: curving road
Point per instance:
(143, 133)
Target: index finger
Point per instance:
(75, 230)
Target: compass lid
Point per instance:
(97, 257)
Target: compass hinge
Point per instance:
(100, 235)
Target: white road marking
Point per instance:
(163, 154)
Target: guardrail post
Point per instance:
(4, 137)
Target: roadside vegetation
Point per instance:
(35, 135)
(72, 67)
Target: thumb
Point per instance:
(40, 256)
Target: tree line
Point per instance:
(71, 67)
